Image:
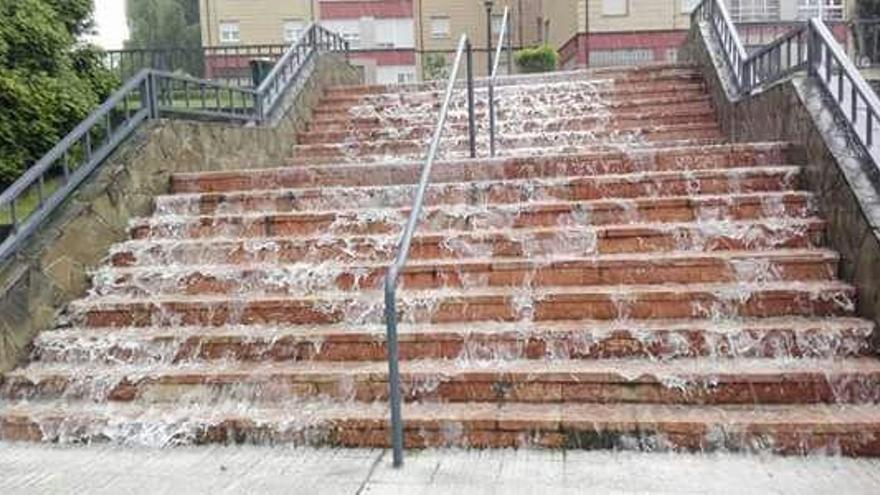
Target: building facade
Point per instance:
(623, 32)
(393, 40)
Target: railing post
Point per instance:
(510, 48)
(492, 118)
(472, 118)
(393, 367)
(813, 48)
(152, 95)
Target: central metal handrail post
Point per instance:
(505, 23)
(472, 117)
(393, 365)
(509, 45)
(492, 118)
(393, 275)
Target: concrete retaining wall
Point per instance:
(837, 169)
(52, 269)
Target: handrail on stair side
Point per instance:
(502, 36)
(149, 95)
(811, 47)
(392, 277)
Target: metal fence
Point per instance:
(813, 48)
(150, 94)
(229, 64)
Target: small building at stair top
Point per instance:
(631, 32)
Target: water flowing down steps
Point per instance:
(619, 277)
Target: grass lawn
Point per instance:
(27, 203)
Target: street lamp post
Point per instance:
(488, 4)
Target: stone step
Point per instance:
(304, 278)
(644, 124)
(512, 142)
(603, 302)
(801, 429)
(599, 75)
(625, 189)
(673, 161)
(585, 214)
(515, 102)
(625, 147)
(780, 338)
(548, 242)
(608, 111)
(670, 113)
(741, 381)
(537, 90)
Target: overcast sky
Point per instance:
(110, 24)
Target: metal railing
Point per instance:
(715, 13)
(812, 47)
(502, 36)
(829, 64)
(777, 60)
(392, 277)
(151, 94)
(229, 64)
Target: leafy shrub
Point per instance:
(539, 59)
(435, 67)
(48, 81)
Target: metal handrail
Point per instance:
(505, 21)
(842, 81)
(392, 277)
(151, 94)
(715, 12)
(786, 55)
(812, 47)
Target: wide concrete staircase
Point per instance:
(620, 277)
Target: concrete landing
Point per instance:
(30, 468)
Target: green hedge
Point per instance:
(49, 81)
(539, 59)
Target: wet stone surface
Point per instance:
(45, 469)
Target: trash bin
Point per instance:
(260, 68)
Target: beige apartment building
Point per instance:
(254, 22)
(440, 23)
(394, 40)
(617, 32)
(391, 38)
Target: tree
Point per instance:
(49, 81)
(867, 31)
(163, 24)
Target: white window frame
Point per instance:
(441, 21)
(615, 8)
(497, 20)
(225, 28)
(688, 6)
(291, 34)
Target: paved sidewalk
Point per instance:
(26, 468)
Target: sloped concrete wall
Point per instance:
(53, 268)
(843, 177)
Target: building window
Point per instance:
(635, 56)
(440, 27)
(496, 23)
(293, 28)
(829, 10)
(229, 32)
(615, 7)
(754, 10)
(688, 6)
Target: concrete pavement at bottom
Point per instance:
(29, 468)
